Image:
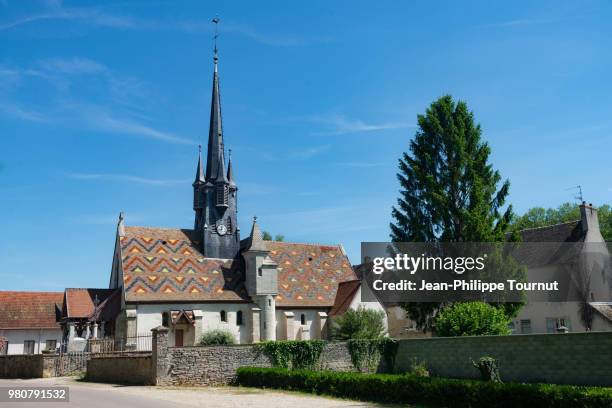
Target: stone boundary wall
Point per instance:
(217, 365)
(572, 358)
(119, 369)
(27, 366)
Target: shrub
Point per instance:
(471, 319)
(430, 391)
(294, 354)
(359, 324)
(216, 338)
(366, 354)
(487, 366)
(419, 369)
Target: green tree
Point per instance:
(449, 192)
(566, 212)
(216, 337)
(471, 319)
(266, 236)
(359, 324)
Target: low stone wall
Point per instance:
(217, 365)
(573, 358)
(27, 366)
(131, 369)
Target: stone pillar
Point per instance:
(268, 306)
(289, 325)
(131, 331)
(160, 365)
(71, 331)
(87, 330)
(254, 324)
(95, 331)
(321, 326)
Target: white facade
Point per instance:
(17, 339)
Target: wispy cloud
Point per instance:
(74, 66)
(524, 22)
(309, 152)
(14, 110)
(341, 125)
(125, 178)
(96, 17)
(98, 118)
(360, 164)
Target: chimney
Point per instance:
(588, 218)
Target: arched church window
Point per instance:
(223, 316)
(302, 319)
(239, 318)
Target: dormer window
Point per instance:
(222, 194)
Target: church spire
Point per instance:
(230, 173)
(215, 157)
(199, 177)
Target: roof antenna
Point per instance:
(578, 190)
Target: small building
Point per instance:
(30, 321)
(592, 314)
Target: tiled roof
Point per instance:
(309, 274)
(167, 265)
(604, 308)
(30, 310)
(344, 297)
(79, 303)
(566, 232)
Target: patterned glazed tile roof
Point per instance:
(30, 310)
(166, 265)
(309, 274)
(79, 303)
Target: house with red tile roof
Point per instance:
(30, 321)
(209, 278)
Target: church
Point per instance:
(209, 278)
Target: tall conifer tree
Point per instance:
(449, 190)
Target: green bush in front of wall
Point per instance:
(216, 338)
(429, 391)
(292, 354)
(366, 354)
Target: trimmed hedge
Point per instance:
(430, 391)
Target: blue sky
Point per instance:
(102, 107)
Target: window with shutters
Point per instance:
(228, 224)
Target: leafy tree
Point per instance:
(449, 190)
(471, 319)
(217, 337)
(566, 212)
(266, 236)
(359, 324)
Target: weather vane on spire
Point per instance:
(216, 21)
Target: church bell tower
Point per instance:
(214, 190)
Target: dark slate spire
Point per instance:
(215, 157)
(199, 177)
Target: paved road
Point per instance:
(91, 395)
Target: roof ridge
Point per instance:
(549, 226)
(307, 243)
